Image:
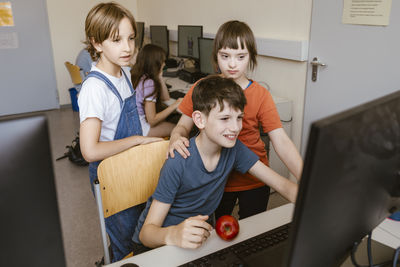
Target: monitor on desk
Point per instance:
(30, 224)
(159, 36)
(205, 55)
(188, 45)
(350, 182)
(139, 35)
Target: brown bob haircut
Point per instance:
(102, 22)
(227, 37)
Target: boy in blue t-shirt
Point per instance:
(189, 190)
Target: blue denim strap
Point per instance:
(128, 81)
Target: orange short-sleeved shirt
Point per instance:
(260, 109)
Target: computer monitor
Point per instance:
(205, 55)
(140, 34)
(350, 182)
(188, 45)
(30, 223)
(159, 36)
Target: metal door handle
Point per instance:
(315, 63)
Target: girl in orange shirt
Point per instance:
(234, 53)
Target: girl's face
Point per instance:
(117, 51)
(233, 63)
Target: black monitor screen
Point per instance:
(350, 181)
(188, 45)
(139, 34)
(205, 55)
(159, 36)
(30, 224)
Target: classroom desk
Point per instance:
(387, 233)
(177, 84)
(249, 227)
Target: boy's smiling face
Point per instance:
(222, 127)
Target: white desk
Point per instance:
(249, 227)
(177, 85)
(387, 233)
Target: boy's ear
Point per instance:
(198, 119)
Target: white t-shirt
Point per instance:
(96, 100)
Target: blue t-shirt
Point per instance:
(190, 188)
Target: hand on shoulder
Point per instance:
(180, 144)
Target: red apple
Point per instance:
(227, 227)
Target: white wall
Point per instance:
(276, 19)
(67, 30)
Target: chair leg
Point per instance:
(102, 221)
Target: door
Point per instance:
(362, 62)
(27, 75)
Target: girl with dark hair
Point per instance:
(151, 91)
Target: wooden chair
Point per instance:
(127, 179)
(74, 72)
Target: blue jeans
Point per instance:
(120, 226)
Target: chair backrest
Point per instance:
(130, 177)
(74, 71)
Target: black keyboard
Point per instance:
(171, 73)
(266, 249)
(176, 94)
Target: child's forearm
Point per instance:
(164, 90)
(183, 128)
(160, 116)
(154, 236)
(291, 157)
(191, 233)
(282, 185)
(287, 152)
(103, 149)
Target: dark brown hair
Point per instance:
(148, 65)
(227, 37)
(215, 89)
(102, 22)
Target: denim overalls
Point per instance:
(120, 227)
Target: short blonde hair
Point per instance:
(102, 22)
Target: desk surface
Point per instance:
(249, 227)
(387, 233)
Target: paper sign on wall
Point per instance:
(8, 40)
(6, 17)
(367, 12)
